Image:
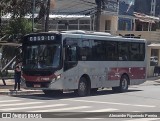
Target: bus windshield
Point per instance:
(42, 56)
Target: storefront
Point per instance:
(153, 64)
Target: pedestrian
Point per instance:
(17, 76)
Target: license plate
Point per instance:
(37, 85)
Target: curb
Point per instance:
(23, 92)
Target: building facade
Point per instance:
(144, 23)
(75, 15)
(149, 7)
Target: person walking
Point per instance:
(17, 76)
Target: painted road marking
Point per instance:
(102, 110)
(62, 109)
(89, 111)
(33, 107)
(28, 103)
(144, 119)
(7, 101)
(111, 103)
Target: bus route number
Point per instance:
(41, 38)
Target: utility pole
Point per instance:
(98, 14)
(33, 10)
(47, 16)
(0, 20)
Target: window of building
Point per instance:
(107, 25)
(154, 57)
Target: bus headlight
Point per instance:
(56, 78)
(59, 76)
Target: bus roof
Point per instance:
(92, 35)
(102, 35)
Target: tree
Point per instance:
(3, 5)
(17, 28)
(19, 8)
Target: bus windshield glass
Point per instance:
(42, 56)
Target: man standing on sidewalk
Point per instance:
(17, 76)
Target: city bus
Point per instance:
(82, 62)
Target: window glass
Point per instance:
(42, 56)
(99, 50)
(137, 52)
(104, 50)
(70, 49)
(85, 50)
(123, 51)
(111, 50)
(142, 52)
(154, 57)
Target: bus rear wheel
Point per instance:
(83, 88)
(123, 85)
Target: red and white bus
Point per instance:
(82, 61)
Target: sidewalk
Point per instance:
(156, 78)
(8, 89)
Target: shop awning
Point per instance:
(154, 45)
(147, 21)
(145, 18)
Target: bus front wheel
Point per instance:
(82, 87)
(123, 85)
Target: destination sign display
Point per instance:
(41, 38)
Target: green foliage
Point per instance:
(18, 27)
(18, 8)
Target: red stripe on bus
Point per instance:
(39, 78)
(132, 72)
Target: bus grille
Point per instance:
(41, 84)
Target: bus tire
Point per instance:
(123, 85)
(52, 92)
(82, 87)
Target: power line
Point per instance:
(72, 6)
(79, 12)
(88, 2)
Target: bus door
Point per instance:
(70, 62)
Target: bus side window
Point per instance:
(123, 51)
(71, 53)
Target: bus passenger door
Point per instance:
(70, 63)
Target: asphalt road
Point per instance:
(138, 100)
